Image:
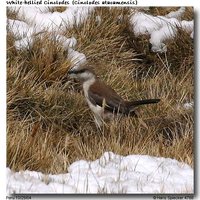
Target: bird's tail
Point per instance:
(133, 104)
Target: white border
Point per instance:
(3, 101)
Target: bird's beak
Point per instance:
(71, 74)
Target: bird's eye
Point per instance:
(77, 71)
(70, 72)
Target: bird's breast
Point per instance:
(96, 109)
(86, 86)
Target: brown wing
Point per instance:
(103, 95)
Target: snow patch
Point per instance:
(65, 42)
(38, 19)
(188, 106)
(111, 173)
(77, 59)
(19, 29)
(25, 43)
(176, 14)
(44, 19)
(160, 28)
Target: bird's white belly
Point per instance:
(96, 109)
(99, 113)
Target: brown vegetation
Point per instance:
(49, 125)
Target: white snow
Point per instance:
(160, 28)
(19, 29)
(39, 19)
(44, 19)
(111, 173)
(187, 25)
(188, 106)
(176, 14)
(77, 59)
(24, 43)
(66, 42)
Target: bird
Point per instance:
(103, 100)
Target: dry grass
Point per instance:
(49, 125)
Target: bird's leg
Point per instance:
(98, 122)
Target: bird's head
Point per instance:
(82, 74)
